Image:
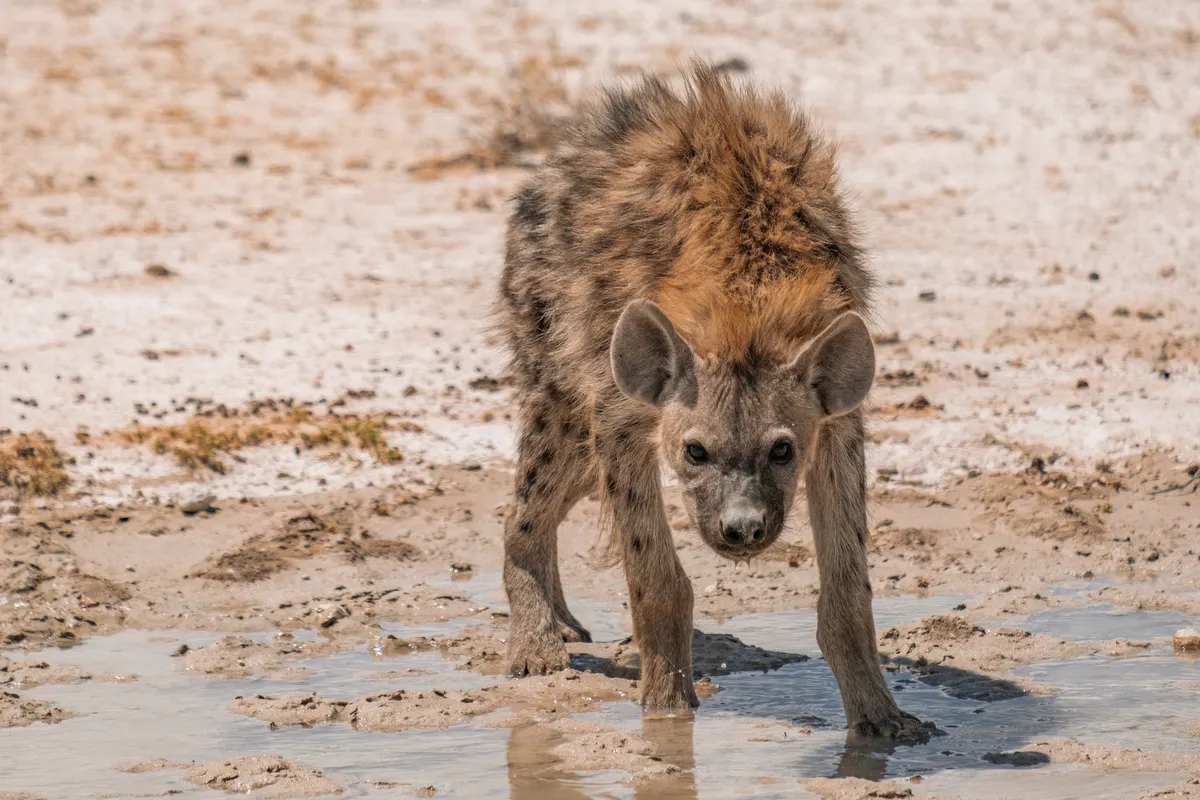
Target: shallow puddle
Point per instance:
(796, 631)
(743, 742)
(1100, 622)
(1097, 705)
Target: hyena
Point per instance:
(682, 281)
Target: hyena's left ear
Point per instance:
(838, 367)
(650, 361)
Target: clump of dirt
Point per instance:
(59, 603)
(28, 674)
(305, 711)
(32, 464)
(18, 712)
(256, 776)
(301, 537)
(965, 659)
(239, 657)
(569, 691)
(159, 271)
(264, 776)
(481, 648)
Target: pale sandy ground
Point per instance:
(1035, 165)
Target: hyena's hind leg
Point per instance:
(554, 471)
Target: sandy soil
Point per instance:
(247, 384)
(257, 775)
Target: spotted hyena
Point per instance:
(682, 283)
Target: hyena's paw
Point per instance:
(897, 725)
(537, 653)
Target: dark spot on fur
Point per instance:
(816, 229)
(637, 595)
(748, 372)
(635, 544)
(528, 483)
(524, 527)
(539, 310)
(531, 208)
(566, 221)
(649, 241)
(533, 374)
(553, 394)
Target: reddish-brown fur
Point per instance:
(704, 227)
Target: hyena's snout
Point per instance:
(743, 525)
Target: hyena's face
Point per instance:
(738, 453)
(739, 438)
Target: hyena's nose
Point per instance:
(742, 527)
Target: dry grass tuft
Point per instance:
(32, 464)
(209, 443)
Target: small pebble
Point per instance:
(1187, 640)
(199, 504)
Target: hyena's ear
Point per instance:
(650, 360)
(838, 367)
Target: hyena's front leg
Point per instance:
(837, 501)
(660, 592)
(553, 473)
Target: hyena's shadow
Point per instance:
(982, 720)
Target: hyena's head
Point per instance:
(738, 437)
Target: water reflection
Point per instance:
(673, 737)
(535, 772)
(867, 759)
(533, 769)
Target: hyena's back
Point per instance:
(715, 201)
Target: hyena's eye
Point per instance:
(782, 453)
(695, 453)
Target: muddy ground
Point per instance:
(255, 442)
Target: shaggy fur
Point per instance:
(669, 273)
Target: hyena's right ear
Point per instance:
(650, 360)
